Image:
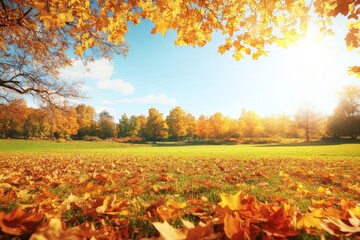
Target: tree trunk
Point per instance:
(307, 135)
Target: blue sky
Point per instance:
(156, 73)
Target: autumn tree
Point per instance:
(63, 122)
(217, 127)
(191, 126)
(85, 120)
(12, 118)
(106, 128)
(36, 124)
(129, 127)
(36, 36)
(233, 130)
(277, 126)
(308, 120)
(35, 39)
(177, 123)
(346, 118)
(124, 126)
(250, 124)
(202, 127)
(156, 125)
(142, 119)
(135, 126)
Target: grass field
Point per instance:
(75, 182)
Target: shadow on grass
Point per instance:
(325, 142)
(191, 143)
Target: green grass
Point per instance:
(310, 151)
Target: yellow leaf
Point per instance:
(222, 49)
(66, 17)
(310, 221)
(238, 56)
(161, 27)
(180, 42)
(232, 201)
(79, 50)
(173, 204)
(356, 211)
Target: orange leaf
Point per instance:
(235, 227)
(18, 222)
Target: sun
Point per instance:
(310, 65)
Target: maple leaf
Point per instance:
(79, 50)
(232, 201)
(222, 49)
(235, 227)
(311, 221)
(17, 222)
(171, 210)
(280, 223)
(161, 26)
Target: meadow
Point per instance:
(113, 190)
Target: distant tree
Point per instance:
(36, 124)
(202, 127)
(277, 126)
(135, 126)
(12, 118)
(142, 129)
(250, 124)
(106, 126)
(217, 127)
(177, 123)
(63, 121)
(308, 120)
(156, 125)
(124, 126)
(345, 120)
(85, 120)
(233, 130)
(191, 126)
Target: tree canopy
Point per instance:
(36, 36)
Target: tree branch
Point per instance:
(23, 16)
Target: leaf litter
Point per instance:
(69, 196)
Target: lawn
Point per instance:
(124, 189)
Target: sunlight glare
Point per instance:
(309, 65)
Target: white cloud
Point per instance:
(116, 84)
(148, 99)
(100, 71)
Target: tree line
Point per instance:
(81, 122)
